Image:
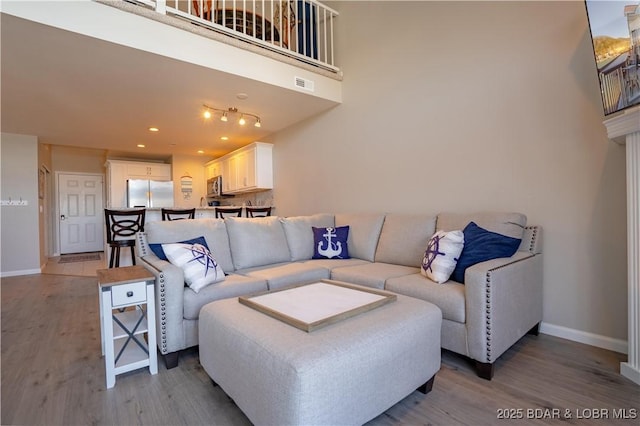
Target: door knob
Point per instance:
(63, 217)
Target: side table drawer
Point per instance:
(127, 294)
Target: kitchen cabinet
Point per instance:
(248, 169)
(213, 168)
(116, 184)
(119, 171)
(154, 171)
(230, 176)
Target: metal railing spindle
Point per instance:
(302, 34)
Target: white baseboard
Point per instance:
(5, 274)
(630, 372)
(597, 340)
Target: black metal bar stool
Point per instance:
(221, 212)
(258, 211)
(177, 214)
(121, 225)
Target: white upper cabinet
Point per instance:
(152, 171)
(230, 178)
(213, 169)
(119, 171)
(248, 169)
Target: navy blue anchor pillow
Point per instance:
(330, 243)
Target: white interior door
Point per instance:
(81, 213)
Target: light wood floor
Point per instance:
(53, 374)
(86, 269)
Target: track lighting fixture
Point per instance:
(208, 113)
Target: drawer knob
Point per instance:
(129, 294)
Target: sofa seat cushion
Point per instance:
(233, 286)
(284, 275)
(404, 238)
(331, 264)
(372, 274)
(257, 241)
(214, 232)
(300, 236)
(449, 297)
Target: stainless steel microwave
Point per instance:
(214, 186)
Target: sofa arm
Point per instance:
(169, 296)
(503, 302)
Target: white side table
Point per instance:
(127, 312)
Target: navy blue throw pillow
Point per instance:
(157, 248)
(481, 245)
(330, 243)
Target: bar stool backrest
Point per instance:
(222, 212)
(177, 214)
(123, 224)
(258, 211)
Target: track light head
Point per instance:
(208, 113)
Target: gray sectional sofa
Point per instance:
(500, 301)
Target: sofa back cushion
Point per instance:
(404, 238)
(214, 232)
(300, 236)
(257, 241)
(509, 224)
(364, 232)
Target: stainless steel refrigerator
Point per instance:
(149, 193)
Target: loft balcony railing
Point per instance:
(620, 82)
(302, 29)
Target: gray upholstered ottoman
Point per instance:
(345, 373)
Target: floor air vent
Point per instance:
(303, 84)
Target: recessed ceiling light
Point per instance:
(200, 151)
(224, 138)
(140, 145)
(154, 129)
(242, 96)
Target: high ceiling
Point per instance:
(71, 89)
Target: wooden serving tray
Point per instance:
(315, 305)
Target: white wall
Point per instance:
(73, 159)
(20, 234)
(476, 106)
(184, 165)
